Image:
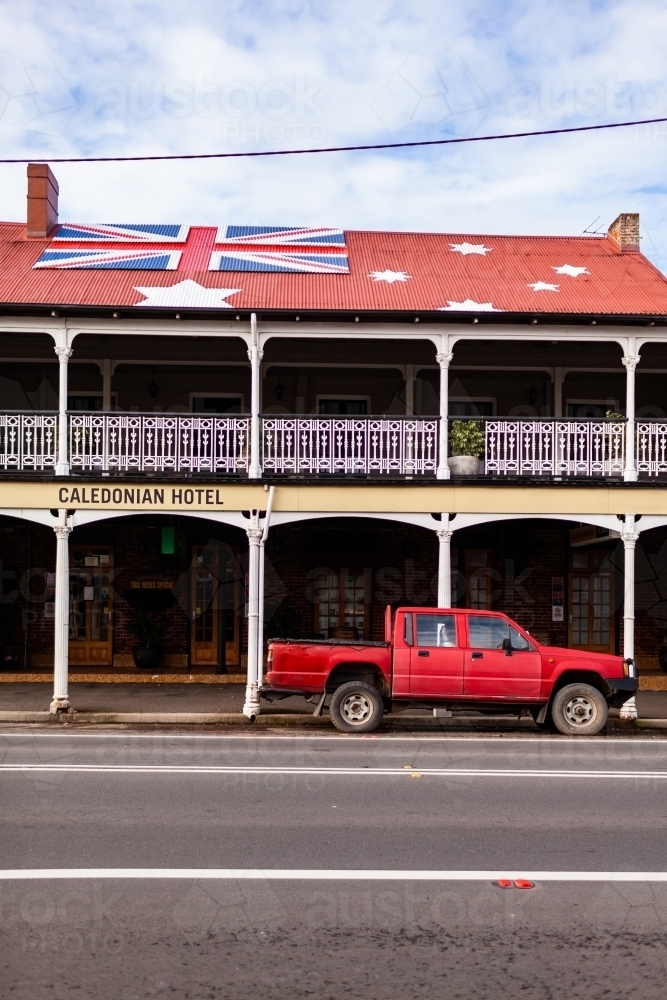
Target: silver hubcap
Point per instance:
(580, 712)
(357, 708)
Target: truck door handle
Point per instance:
(423, 652)
(477, 656)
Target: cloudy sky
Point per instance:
(117, 77)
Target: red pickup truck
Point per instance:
(450, 659)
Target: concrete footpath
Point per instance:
(222, 704)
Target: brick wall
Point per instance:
(402, 559)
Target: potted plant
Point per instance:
(146, 627)
(466, 444)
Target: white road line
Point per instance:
(327, 874)
(438, 772)
(344, 738)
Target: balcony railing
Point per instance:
(399, 446)
(28, 441)
(651, 439)
(554, 447)
(166, 443)
(161, 443)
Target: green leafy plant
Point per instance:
(613, 415)
(146, 627)
(466, 437)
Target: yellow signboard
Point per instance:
(331, 498)
(164, 497)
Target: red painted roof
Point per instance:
(439, 277)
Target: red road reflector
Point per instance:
(523, 883)
(504, 883)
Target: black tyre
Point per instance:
(356, 707)
(579, 710)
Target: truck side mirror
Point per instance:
(507, 646)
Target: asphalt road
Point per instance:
(330, 866)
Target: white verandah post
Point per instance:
(630, 538)
(444, 359)
(260, 617)
(255, 355)
(444, 563)
(630, 360)
(254, 533)
(60, 701)
(64, 353)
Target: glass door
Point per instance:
(591, 613)
(214, 600)
(90, 610)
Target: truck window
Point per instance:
(519, 641)
(488, 633)
(436, 630)
(408, 630)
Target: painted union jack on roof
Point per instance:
(281, 235)
(121, 260)
(118, 232)
(273, 260)
(242, 248)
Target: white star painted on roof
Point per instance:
(185, 293)
(544, 286)
(469, 305)
(389, 276)
(466, 248)
(571, 269)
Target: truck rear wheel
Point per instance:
(356, 707)
(579, 710)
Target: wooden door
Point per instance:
(591, 619)
(214, 601)
(90, 610)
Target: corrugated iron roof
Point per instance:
(389, 272)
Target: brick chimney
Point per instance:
(625, 231)
(42, 201)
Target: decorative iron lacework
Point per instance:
(158, 442)
(331, 445)
(28, 441)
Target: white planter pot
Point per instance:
(463, 465)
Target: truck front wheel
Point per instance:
(579, 710)
(356, 707)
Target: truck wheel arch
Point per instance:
(579, 676)
(355, 671)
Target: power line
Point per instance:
(330, 149)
